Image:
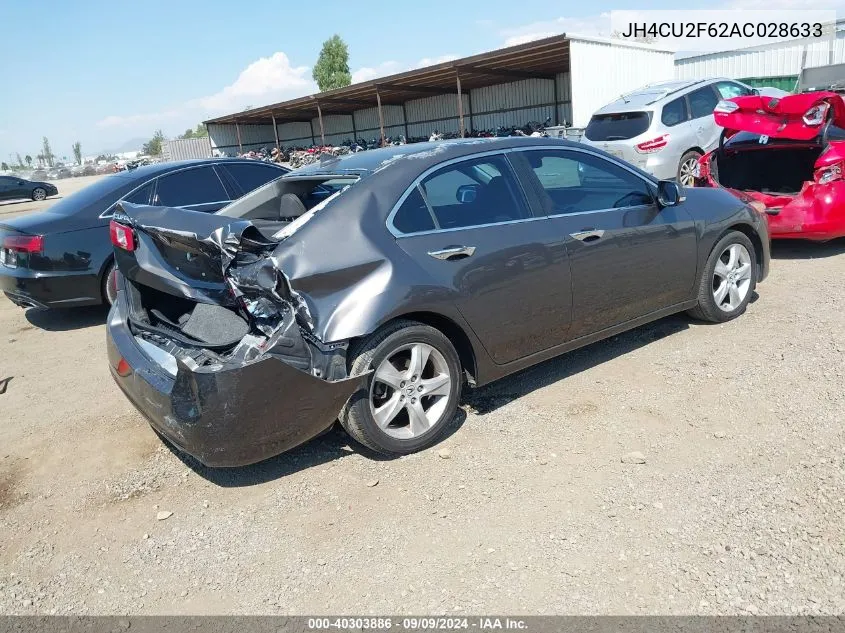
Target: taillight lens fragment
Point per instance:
(817, 114)
(829, 174)
(122, 236)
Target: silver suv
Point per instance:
(664, 128)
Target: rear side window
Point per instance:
(142, 195)
(702, 102)
(251, 177)
(729, 90)
(190, 187)
(674, 112)
(474, 193)
(413, 216)
(617, 127)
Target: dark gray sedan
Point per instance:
(372, 288)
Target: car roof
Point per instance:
(423, 154)
(652, 94)
(151, 171)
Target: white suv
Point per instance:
(664, 128)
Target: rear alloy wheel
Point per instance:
(110, 285)
(412, 393)
(39, 193)
(729, 278)
(686, 168)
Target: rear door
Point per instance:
(195, 188)
(628, 257)
(701, 104)
(7, 185)
(468, 225)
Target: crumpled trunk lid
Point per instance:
(800, 117)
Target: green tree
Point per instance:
(4, 166)
(200, 132)
(20, 160)
(332, 68)
(153, 146)
(46, 152)
(28, 160)
(77, 152)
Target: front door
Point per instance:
(469, 227)
(628, 256)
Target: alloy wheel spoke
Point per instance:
(735, 298)
(733, 254)
(419, 359)
(389, 375)
(743, 272)
(417, 417)
(440, 385)
(721, 292)
(721, 269)
(385, 414)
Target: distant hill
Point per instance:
(131, 145)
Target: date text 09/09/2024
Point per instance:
(722, 29)
(416, 624)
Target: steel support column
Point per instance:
(557, 101)
(322, 129)
(460, 104)
(275, 130)
(238, 130)
(380, 116)
(405, 120)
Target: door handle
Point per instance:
(589, 235)
(453, 252)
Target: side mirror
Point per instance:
(754, 91)
(669, 193)
(467, 194)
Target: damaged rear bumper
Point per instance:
(226, 416)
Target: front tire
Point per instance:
(412, 394)
(686, 166)
(39, 193)
(728, 280)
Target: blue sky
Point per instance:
(105, 72)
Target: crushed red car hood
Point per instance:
(800, 117)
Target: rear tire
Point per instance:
(39, 193)
(412, 395)
(109, 284)
(728, 280)
(685, 168)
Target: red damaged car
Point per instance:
(787, 154)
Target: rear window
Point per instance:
(99, 194)
(617, 127)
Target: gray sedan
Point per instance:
(374, 288)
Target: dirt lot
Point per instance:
(66, 186)
(525, 508)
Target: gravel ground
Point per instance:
(533, 505)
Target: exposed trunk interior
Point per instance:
(776, 170)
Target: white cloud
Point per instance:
(372, 72)
(265, 80)
(773, 5)
(589, 25)
(431, 61)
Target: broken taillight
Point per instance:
(726, 107)
(654, 145)
(829, 174)
(24, 243)
(817, 114)
(122, 236)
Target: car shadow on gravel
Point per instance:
(489, 398)
(804, 249)
(331, 446)
(63, 320)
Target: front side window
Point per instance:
(702, 102)
(474, 193)
(190, 187)
(574, 182)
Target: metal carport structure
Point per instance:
(508, 86)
